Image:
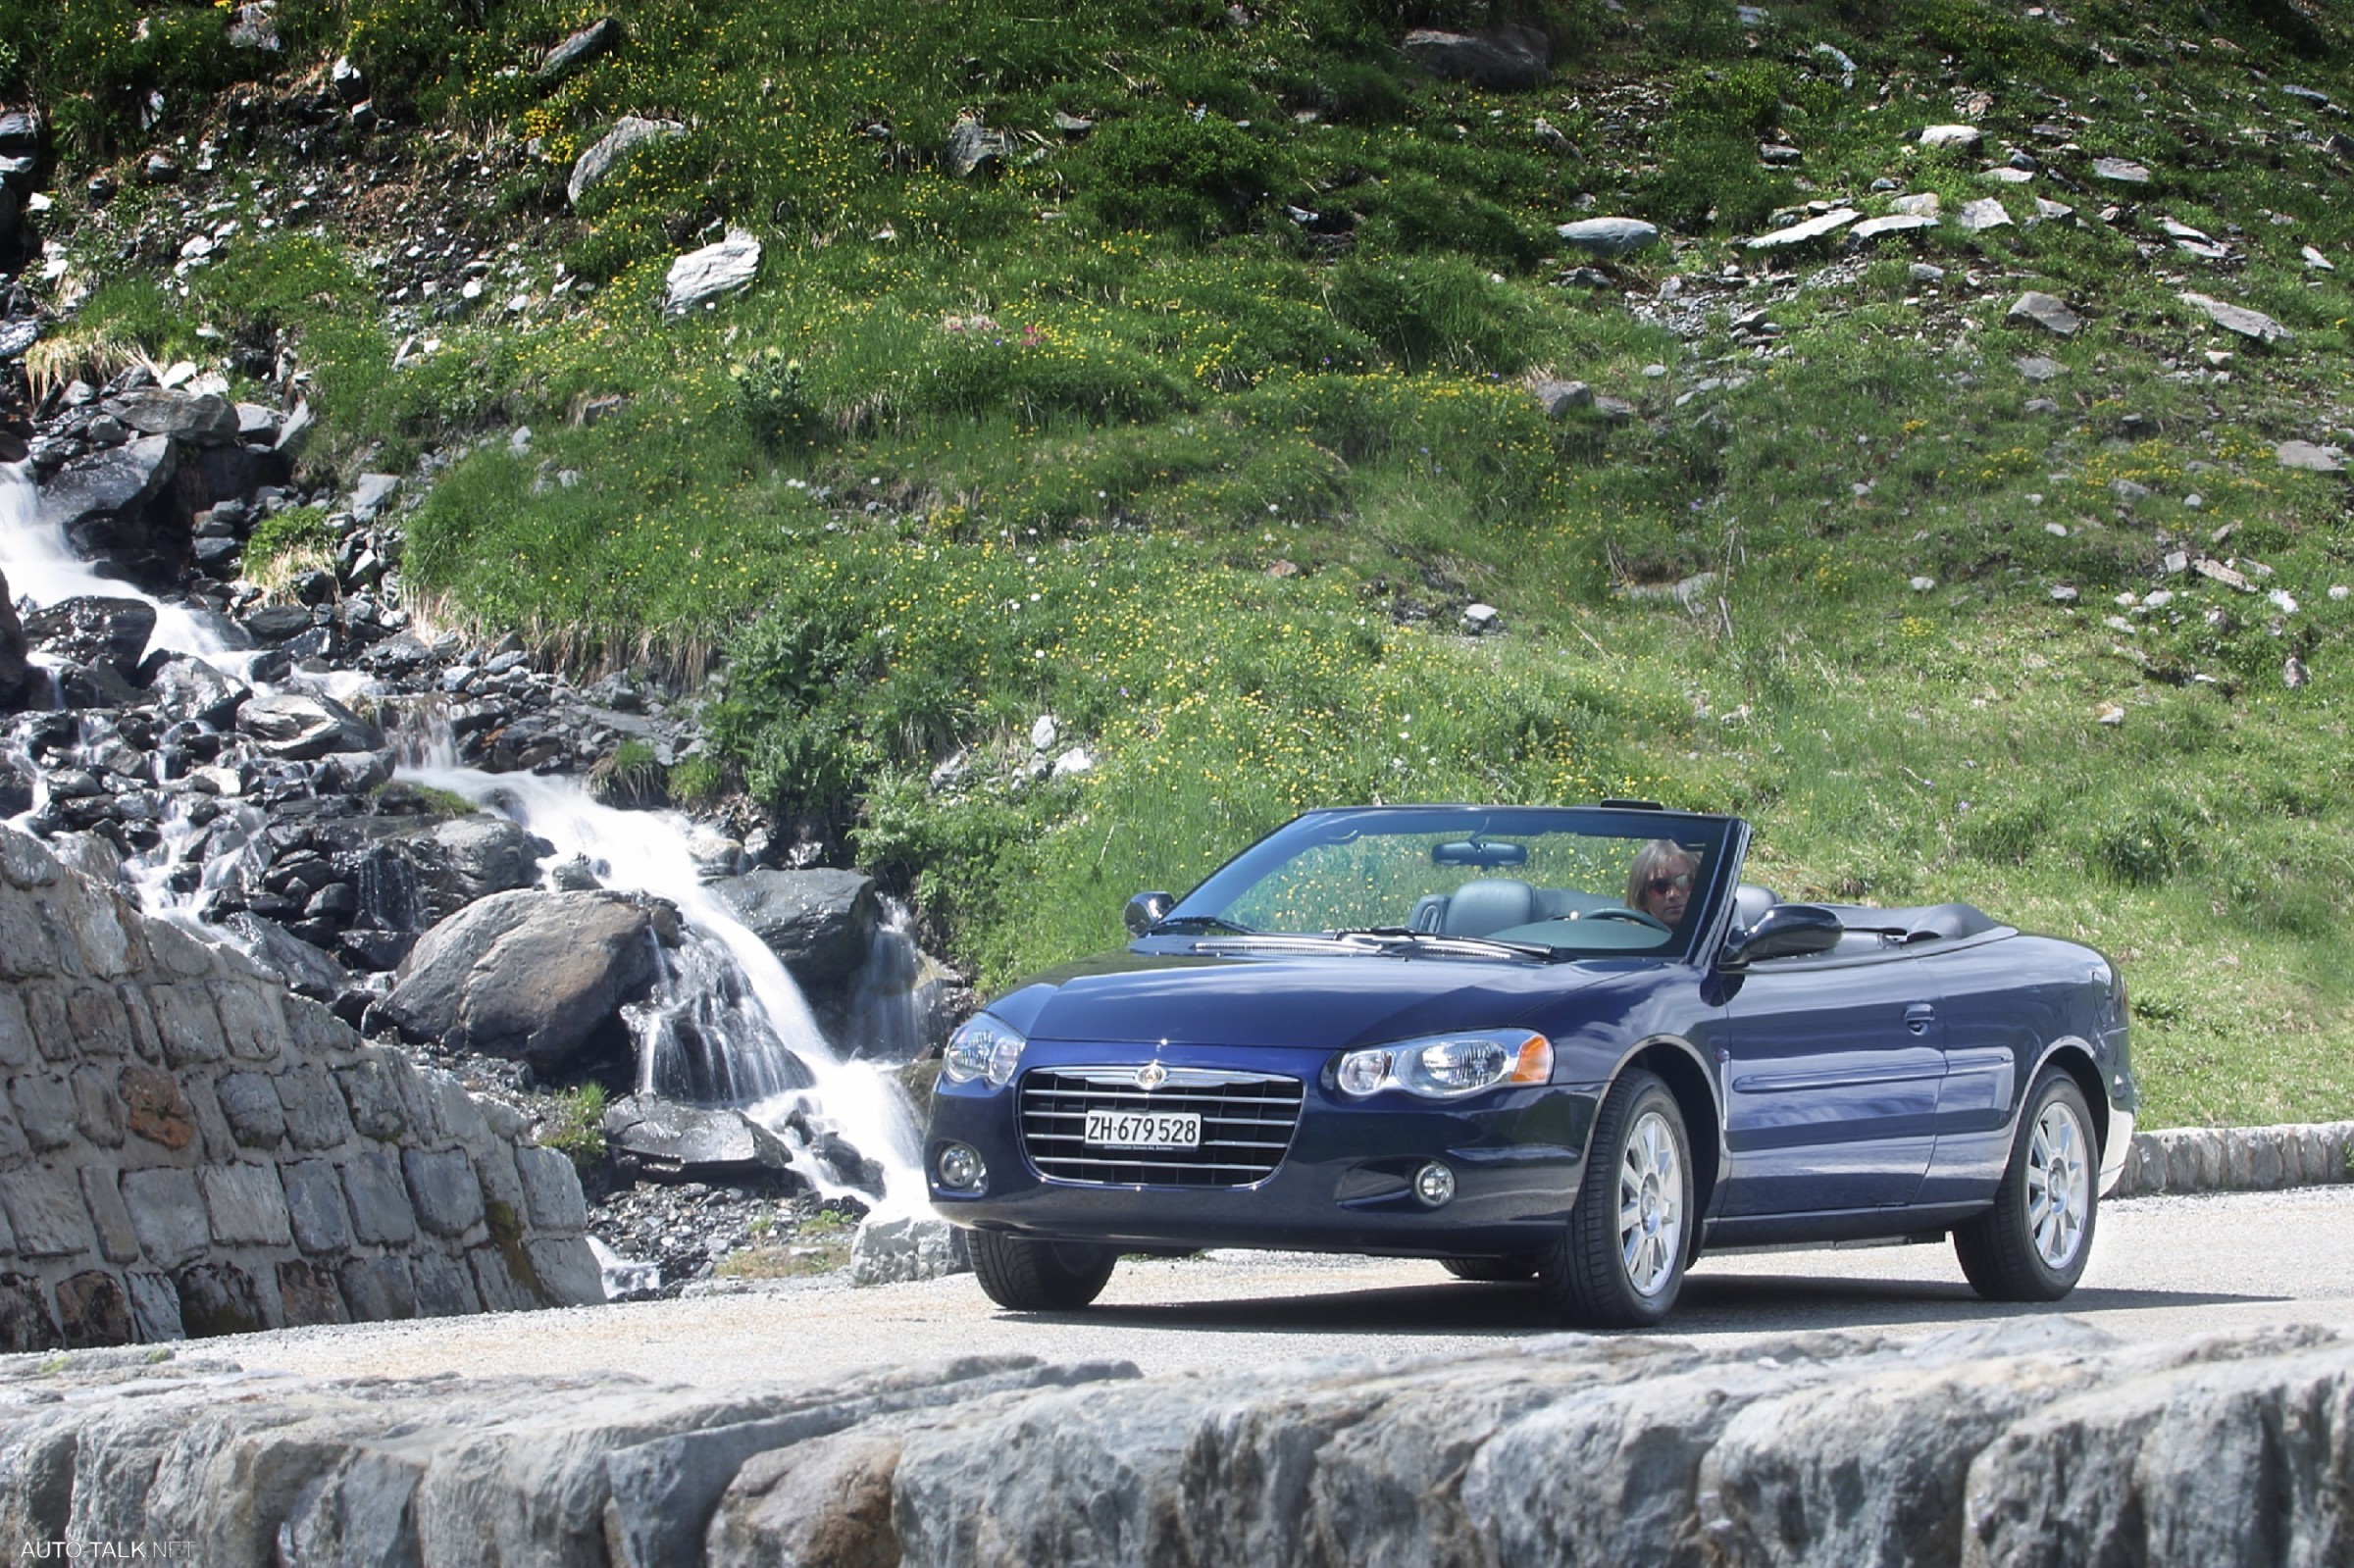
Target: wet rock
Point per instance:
(189, 691)
(539, 977)
(301, 727)
(661, 1139)
(1503, 60)
(628, 134)
(94, 632)
(19, 683)
(820, 922)
(93, 499)
(728, 266)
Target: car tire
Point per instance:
(1030, 1276)
(2033, 1244)
(1619, 1261)
(1491, 1270)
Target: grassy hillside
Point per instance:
(1198, 429)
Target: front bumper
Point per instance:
(1345, 1183)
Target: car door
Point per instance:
(1831, 1069)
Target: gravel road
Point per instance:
(2161, 1268)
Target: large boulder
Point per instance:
(725, 268)
(629, 133)
(98, 501)
(1508, 58)
(304, 726)
(93, 630)
(533, 976)
(661, 1139)
(191, 690)
(821, 922)
(201, 420)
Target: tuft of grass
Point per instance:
(575, 1127)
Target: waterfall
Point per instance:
(892, 1011)
(729, 1025)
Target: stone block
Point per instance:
(16, 1048)
(190, 1029)
(25, 1323)
(153, 1107)
(420, 1105)
(248, 1205)
(103, 928)
(92, 1309)
(2267, 1168)
(99, 1024)
(378, 1199)
(307, 1294)
(502, 1189)
(25, 951)
(45, 1109)
(505, 1278)
(249, 1101)
(374, 1097)
(377, 1289)
(23, 860)
(444, 1188)
(444, 1286)
(168, 1212)
(313, 1108)
(8, 1237)
(13, 1147)
(98, 1110)
(52, 1026)
(456, 1116)
(250, 1019)
(315, 1031)
(45, 1211)
(551, 1190)
(118, 1238)
(315, 1206)
(219, 1299)
(145, 1038)
(219, 1143)
(155, 1308)
(179, 953)
(568, 1272)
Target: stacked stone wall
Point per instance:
(187, 1150)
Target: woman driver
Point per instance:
(1660, 882)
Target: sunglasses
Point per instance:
(1661, 884)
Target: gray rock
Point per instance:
(1559, 398)
(1503, 59)
(662, 1139)
(2120, 170)
(1977, 217)
(600, 38)
(2046, 312)
(370, 494)
(21, 131)
(972, 146)
(2035, 367)
(377, 1289)
(249, 1101)
(1609, 237)
(46, 1213)
(481, 855)
(444, 1191)
(19, 683)
(552, 1189)
(106, 486)
(168, 1214)
(1962, 136)
(722, 269)
(1806, 233)
(93, 630)
(1871, 229)
(529, 974)
(247, 1204)
(198, 420)
(378, 1199)
(445, 1287)
(629, 133)
(302, 727)
(46, 1109)
(2312, 459)
(190, 691)
(821, 922)
(916, 1247)
(2250, 323)
(315, 1212)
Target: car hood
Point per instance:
(1323, 1002)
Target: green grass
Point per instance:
(1106, 435)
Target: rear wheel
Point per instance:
(1491, 1270)
(1619, 1262)
(1040, 1275)
(2033, 1244)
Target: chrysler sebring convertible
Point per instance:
(1566, 1044)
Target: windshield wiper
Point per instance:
(1185, 923)
(1434, 939)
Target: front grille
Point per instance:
(1246, 1124)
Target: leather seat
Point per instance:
(1487, 906)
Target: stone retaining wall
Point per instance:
(186, 1149)
(2237, 1160)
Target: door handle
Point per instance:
(1919, 1016)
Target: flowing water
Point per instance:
(725, 1025)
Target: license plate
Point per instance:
(1145, 1128)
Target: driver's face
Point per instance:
(1664, 897)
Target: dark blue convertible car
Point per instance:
(1566, 1044)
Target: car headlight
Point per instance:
(1448, 1067)
(983, 1048)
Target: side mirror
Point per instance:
(1144, 910)
(1786, 931)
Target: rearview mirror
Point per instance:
(1483, 852)
(1144, 910)
(1786, 931)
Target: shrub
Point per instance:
(1168, 170)
(575, 1127)
(628, 776)
(286, 543)
(776, 404)
(1439, 311)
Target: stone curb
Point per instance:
(2237, 1160)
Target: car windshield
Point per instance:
(1562, 882)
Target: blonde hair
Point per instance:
(1653, 860)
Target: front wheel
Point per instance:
(1619, 1262)
(2033, 1244)
(1030, 1276)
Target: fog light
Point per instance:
(1434, 1185)
(961, 1171)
